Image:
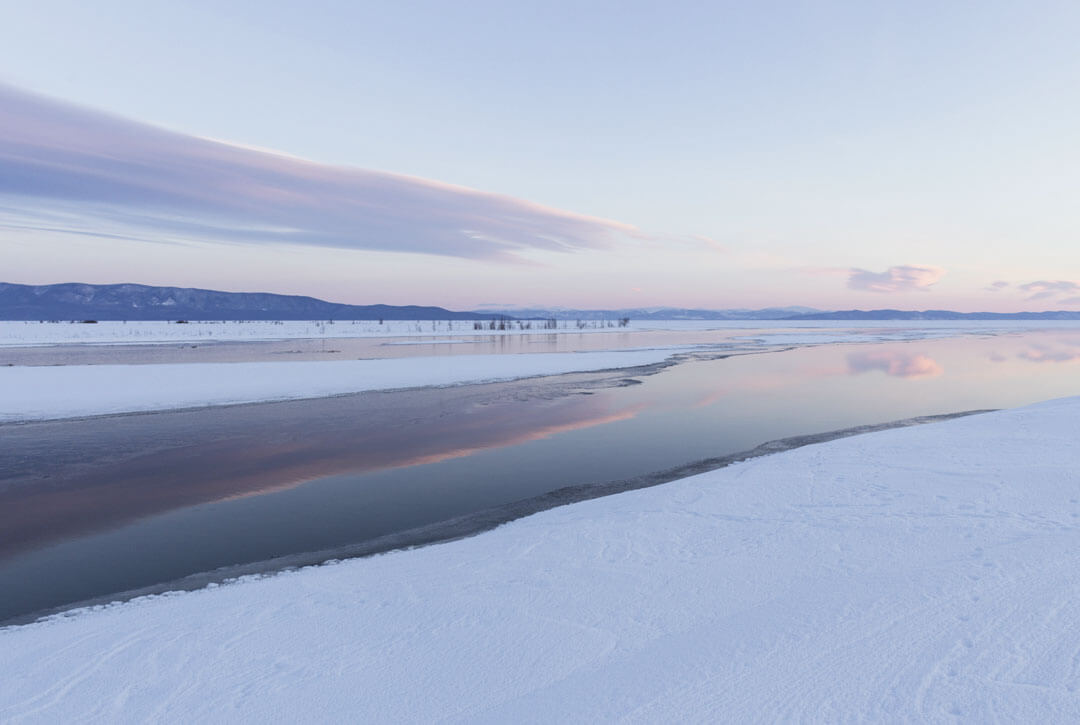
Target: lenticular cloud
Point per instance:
(101, 172)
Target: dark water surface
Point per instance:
(91, 508)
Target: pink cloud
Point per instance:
(1047, 289)
(1046, 353)
(895, 279)
(896, 364)
(67, 168)
(709, 242)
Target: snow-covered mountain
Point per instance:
(141, 302)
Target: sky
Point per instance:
(916, 155)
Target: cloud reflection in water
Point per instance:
(894, 363)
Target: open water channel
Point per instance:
(96, 509)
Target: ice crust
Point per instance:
(33, 333)
(67, 391)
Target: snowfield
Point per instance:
(68, 391)
(921, 574)
(32, 333)
(42, 392)
(152, 333)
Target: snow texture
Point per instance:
(69, 391)
(18, 334)
(922, 574)
(150, 333)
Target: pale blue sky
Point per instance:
(804, 139)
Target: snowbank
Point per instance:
(918, 574)
(47, 392)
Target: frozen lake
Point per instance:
(138, 343)
(92, 508)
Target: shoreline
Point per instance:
(392, 469)
(473, 524)
(924, 572)
(54, 385)
(54, 393)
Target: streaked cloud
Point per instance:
(1046, 290)
(100, 172)
(895, 279)
(996, 286)
(710, 242)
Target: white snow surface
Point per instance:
(68, 391)
(924, 574)
(18, 334)
(31, 333)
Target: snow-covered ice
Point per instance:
(149, 333)
(38, 392)
(20, 334)
(67, 391)
(924, 574)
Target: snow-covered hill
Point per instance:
(76, 301)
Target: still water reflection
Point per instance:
(91, 508)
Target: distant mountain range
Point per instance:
(936, 315)
(75, 301)
(140, 302)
